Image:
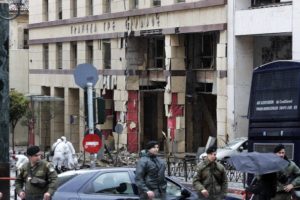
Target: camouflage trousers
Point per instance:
(34, 197)
(282, 196)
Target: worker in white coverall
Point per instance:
(21, 160)
(64, 155)
(71, 161)
(60, 149)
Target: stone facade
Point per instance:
(152, 61)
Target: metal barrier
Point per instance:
(185, 168)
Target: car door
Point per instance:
(115, 185)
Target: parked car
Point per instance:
(109, 184)
(235, 146)
(112, 184)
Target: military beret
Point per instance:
(278, 148)
(211, 150)
(32, 150)
(151, 144)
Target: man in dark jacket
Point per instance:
(150, 174)
(210, 179)
(288, 178)
(38, 176)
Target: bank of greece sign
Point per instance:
(134, 23)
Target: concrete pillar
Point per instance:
(66, 55)
(175, 91)
(4, 101)
(243, 76)
(52, 56)
(222, 89)
(296, 30)
(81, 52)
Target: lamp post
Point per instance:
(4, 92)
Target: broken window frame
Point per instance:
(258, 3)
(201, 58)
(156, 59)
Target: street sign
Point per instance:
(119, 128)
(85, 73)
(92, 143)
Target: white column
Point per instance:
(296, 30)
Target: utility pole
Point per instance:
(4, 101)
(4, 93)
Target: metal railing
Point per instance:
(185, 168)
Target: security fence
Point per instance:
(185, 168)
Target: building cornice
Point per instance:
(164, 31)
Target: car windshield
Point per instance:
(233, 144)
(62, 179)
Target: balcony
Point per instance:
(272, 18)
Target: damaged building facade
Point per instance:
(162, 68)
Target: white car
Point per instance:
(235, 146)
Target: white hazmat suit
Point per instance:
(64, 154)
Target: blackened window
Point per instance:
(156, 2)
(106, 54)
(156, 52)
(73, 54)
(202, 50)
(89, 54)
(59, 9)
(25, 38)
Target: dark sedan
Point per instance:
(111, 184)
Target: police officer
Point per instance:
(150, 174)
(210, 179)
(288, 178)
(38, 176)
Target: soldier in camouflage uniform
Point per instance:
(288, 178)
(210, 179)
(36, 168)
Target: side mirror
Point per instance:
(241, 149)
(121, 188)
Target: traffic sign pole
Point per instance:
(86, 76)
(90, 107)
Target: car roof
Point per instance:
(91, 170)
